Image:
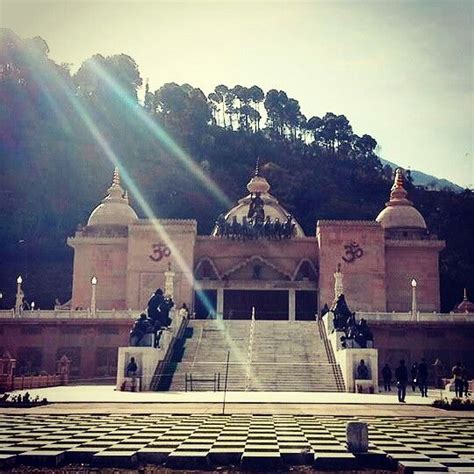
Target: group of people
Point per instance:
(461, 380)
(418, 374)
(419, 377)
(254, 228)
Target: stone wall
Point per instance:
(364, 273)
(447, 341)
(284, 255)
(90, 344)
(408, 259)
(152, 246)
(106, 259)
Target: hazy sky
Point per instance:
(400, 71)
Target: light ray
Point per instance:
(159, 133)
(42, 77)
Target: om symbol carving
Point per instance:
(353, 251)
(159, 251)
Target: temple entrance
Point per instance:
(306, 305)
(270, 305)
(205, 303)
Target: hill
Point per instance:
(427, 180)
(181, 155)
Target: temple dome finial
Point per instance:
(257, 167)
(258, 184)
(116, 178)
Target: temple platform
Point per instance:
(108, 394)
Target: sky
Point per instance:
(401, 71)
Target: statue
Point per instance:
(338, 282)
(288, 227)
(344, 320)
(220, 225)
(256, 211)
(165, 309)
(142, 326)
(164, 319)
(154, 305)
(255, 224)
(169, 282)
(341, 312)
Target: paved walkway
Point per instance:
(107, 393)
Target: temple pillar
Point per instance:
(291, 304)
(220, 304)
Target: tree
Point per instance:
(257, 96)
(221, 92)
(96, 74)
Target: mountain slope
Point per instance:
(427, 180)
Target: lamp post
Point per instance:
(19, 296)
(1, 298)
(93, 297)
(413, 299)
(32, 306)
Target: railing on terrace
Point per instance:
(418, 317)
(70, 314)
(133, 314)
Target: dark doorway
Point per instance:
(270, 305)
(205, 303)
(306, 305)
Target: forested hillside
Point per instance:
(62, 133)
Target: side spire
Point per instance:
(257, 167)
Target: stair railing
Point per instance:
(250, 350)
(330, 355)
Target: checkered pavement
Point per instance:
(263, 442)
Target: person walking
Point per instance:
(414, 372)
(387, 378)
(422, 377)
(401, 376)
(458, 382)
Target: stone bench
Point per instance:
(364, 386)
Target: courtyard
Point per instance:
(95, 427)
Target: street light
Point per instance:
(32, 306)
(93, 297)
(19, 296)
(413, 299)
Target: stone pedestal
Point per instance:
(349, 358)
(146, 358)
(357, 437)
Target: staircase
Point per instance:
(286, 356)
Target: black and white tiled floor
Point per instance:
(264, 442)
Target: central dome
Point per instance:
(259, 184)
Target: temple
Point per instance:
(258, 257)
